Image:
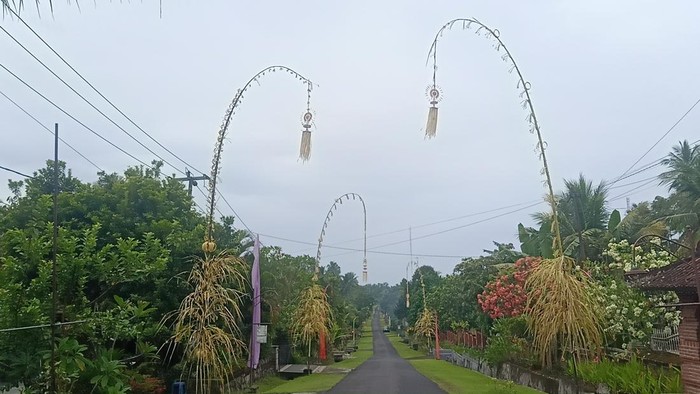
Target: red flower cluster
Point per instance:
(506, 296)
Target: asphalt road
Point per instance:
(385, 372)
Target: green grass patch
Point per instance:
(403, 349)
(269, 382)
(321, 381)
(308, 383)
(363, 353)
(457, 380)
(454, 379)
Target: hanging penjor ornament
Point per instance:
(434, 94)
(306, 123)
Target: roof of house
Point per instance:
(681, 276)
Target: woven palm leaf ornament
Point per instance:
(562, 311)
(339, 201)
(306, 123)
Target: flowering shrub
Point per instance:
(621, 255)
(630, 314)
(506, 296)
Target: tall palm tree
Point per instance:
(348, 283)
(583, 216)
(683, 179)
(683, 175)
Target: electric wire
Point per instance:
(50, 131)
(15, 172)
(90, 103)
(72, 117)
(661, 138)
(360, 250)
(449, 229)
(37, 35)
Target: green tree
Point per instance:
(683, 179)
(583, 219)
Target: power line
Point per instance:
(662, 137)
(15, 172)
(635, 189)
(464, 225)
(50, 131)
(73, 117)
(634, 183)
(234, 211)
(42, 326)
(644, 168)
(98, 92)
(360, 250)
(88, 101)
(447, 230)
(236, 215)
(434, 223)
(372, 250)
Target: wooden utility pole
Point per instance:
(192, 180)
(54, 263)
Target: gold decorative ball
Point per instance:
(209, 246)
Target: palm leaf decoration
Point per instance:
(313, 316)
(207, 321)
(425, 325)
(563, 312)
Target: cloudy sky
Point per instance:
(608, 80)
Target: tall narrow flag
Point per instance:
(254, 355)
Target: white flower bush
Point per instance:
(621, 255)
(630, 314)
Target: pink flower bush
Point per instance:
(506, 296)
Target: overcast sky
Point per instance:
(608, 80)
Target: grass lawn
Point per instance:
(403, 349)
(308, 383)
(454, 379)
(457, 380)
(320, 381)
(363, 353)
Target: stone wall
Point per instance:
(520, 375)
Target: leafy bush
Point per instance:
(508, 341)
(147, 385)
(631, 377)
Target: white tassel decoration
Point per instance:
(305, 148)
(431, 126)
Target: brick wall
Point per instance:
(690, 349)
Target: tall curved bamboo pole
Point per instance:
(305, 149)
(434, 94)
(207, 321)
(561, 308)
(329, 215)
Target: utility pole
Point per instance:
(192, 180)
(54, 262)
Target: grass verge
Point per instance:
(308, 384)
(454, 379)
(403, 349)
(321, 381)
(457, 380)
